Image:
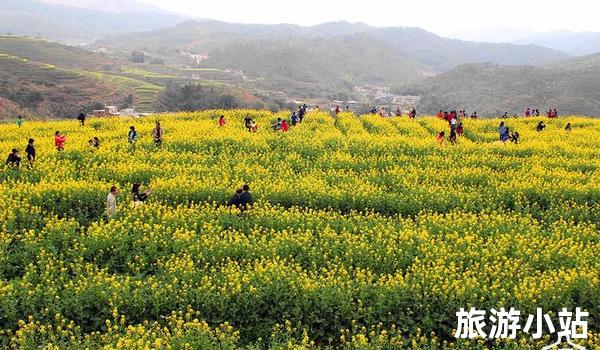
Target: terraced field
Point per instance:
(45, 78)
(54, 91)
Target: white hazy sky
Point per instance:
(446, 17)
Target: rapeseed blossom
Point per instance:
(366, 234)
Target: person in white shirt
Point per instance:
(111, 202)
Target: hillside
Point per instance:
(118, 82)
(48, 91)
(48, 79)
(50, 52)
(572, 86)
(440, 54)
(324, 61)
(74, 25)
(317, 67)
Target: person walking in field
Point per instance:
(452, 137)
(222, 121)
(20, 121)
(253, 127)
(514, 137)
(246, 198)
(528, 113)
(285, 126)
(133, 136)
(14, 159)
(157, 134)
(460, 129)
(301, 113)
(474, 115)
(81, 118)
(503, 132)
(59, 141)
(540, 127)
(294, 119)
(568, 128)
(338, 110)
(247, 121)
(111, 202)
(30, 151)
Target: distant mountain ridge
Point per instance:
(439, 53)
(114, 6)
(574, 43)
(570, 42)
(73, 25)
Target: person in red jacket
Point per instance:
(222, 121)
(284, 126)
(440, 114)
(440, 137)
(59, 141)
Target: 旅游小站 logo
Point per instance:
(506, 324)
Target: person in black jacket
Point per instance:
(30, 151)
(246, 199)
(81, 118)
(14, 160)
(248, 122)
(235, 200)
(540, 127)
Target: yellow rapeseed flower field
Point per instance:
(366, 232)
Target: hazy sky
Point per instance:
(447, 17)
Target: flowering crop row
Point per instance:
(367, 234)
